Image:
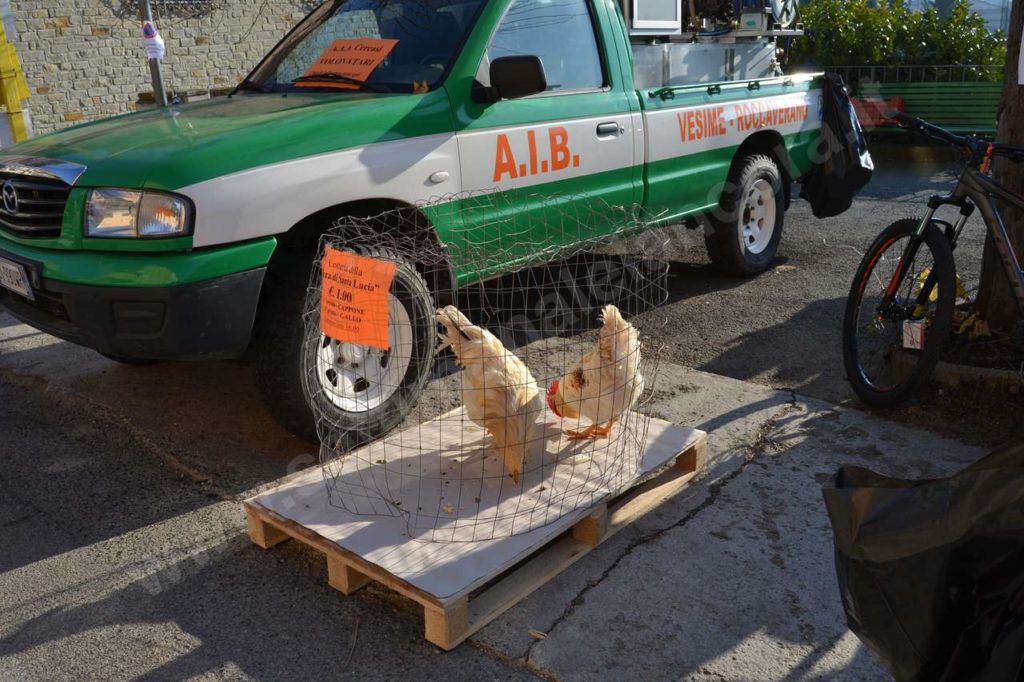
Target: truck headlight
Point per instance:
(130, 213)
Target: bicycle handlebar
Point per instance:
(914, 123)
(970, 143)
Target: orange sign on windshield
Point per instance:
(354, 298)
(349, 57)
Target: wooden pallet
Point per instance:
(468, 584)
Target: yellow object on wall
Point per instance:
(13, 88)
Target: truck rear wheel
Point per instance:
(307, 379)
(742, 236)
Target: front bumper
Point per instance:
(212, 318)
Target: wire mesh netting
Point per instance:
(500, 408)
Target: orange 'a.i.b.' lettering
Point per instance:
(504, 159)
(558, 138)
(354, 298)
(560, 156)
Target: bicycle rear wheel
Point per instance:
(891, 344)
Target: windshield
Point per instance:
(377, 45)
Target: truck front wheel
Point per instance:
(742, 235)
(357, 393)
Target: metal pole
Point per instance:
(154, 64)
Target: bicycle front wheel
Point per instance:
(895, 331)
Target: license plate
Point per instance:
(13, 276)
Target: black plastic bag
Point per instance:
(843, 163)
(932, 572)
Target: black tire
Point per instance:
(732, 248)
(880, 370)
(287, 344)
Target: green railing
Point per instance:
(856, 76)
(962, 98)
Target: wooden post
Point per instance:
(447, 625)
(342, 577)
(591, 530)
(694, 459)
(261, 532)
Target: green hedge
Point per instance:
(843, 32)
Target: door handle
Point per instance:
(605, 129)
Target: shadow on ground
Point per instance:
(234, 609)
(803, 352)
(231, 610)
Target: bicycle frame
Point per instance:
(973, 190)
(982, 189)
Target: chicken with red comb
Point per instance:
(605, 383)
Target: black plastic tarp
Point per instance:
(842, 164)
(931, 573)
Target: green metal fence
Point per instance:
(909, 73)
(962, 98)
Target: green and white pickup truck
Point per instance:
(188, 232)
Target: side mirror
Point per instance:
(513, 77)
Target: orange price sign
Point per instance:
(354, 298)
(350, 57)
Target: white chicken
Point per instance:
(605, 382)
(498, 390)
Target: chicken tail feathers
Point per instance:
(517, 434)
(611, 318)
(618, 339)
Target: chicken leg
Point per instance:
(592, 431)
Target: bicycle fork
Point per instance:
(952, 234)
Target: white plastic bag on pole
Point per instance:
(155, 47)
(1020, 66)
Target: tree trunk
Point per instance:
(995, 300)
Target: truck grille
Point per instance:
(32, 206)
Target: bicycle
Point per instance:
(899, 313)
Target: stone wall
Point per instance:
(85, 59)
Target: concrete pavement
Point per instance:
(125, 553)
